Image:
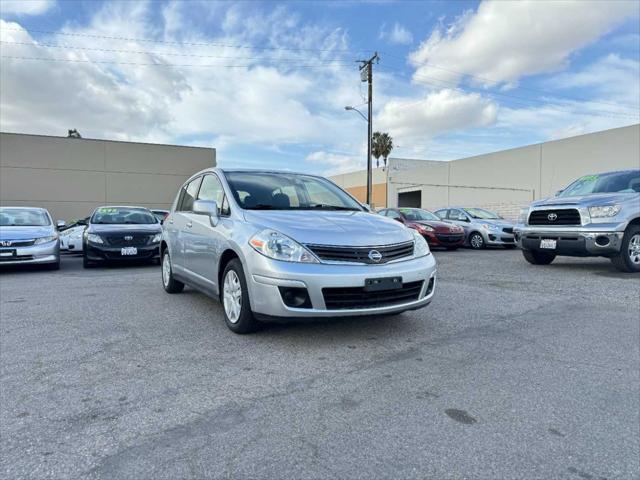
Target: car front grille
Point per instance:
(119, 240)
(352, 298)
(508, 230)
(362, 254)
(561, 216)
(20, 243)
(16, 258)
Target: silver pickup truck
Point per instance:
(597, 215)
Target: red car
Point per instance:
(436, 232)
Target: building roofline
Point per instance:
(105, 140)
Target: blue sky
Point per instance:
(266, 82)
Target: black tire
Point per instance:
(169, 283)
(628, 260)
(86, 263)
(538, 258)
(476, 241)
(245, 323)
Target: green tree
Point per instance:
(381, 146)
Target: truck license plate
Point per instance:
(129, 251)
(548, 243)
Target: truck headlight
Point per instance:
(41, 240)
(420, 245)
(275, 245)
(524, 213)
(156, 238)
(604, 211)
(94, 238)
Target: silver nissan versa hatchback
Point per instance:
(274, 245)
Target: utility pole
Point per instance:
(366, 75)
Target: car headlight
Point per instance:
(41, 240)
(94, 238)
(156, 238)
(426, 228)
(275, 245)
(488, 226)
(604, 211)
(420, 245)
(522, 218)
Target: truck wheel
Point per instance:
(628, 260)
(538, 258)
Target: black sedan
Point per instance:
(121, 234)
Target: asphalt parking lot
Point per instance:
(513, 371)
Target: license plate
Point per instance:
(129, 251)
(548, 243)
(380, 284)
(7, 254)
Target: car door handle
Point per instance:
(189, 224)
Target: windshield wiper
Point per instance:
(323, 206)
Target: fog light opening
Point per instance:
(602, 240)
(295, 297)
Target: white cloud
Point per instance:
(437, 113)
(25, 7)
(335, 163)
(398, 34)
(503, 41)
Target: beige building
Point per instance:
(507, 180)
(72, 176)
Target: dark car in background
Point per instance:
(438, 233)
(160, 214)
(117, 233)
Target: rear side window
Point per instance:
(188, 195)
(442, 213)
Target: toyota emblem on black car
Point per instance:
(375, 256)
(128, 238)
(552, 217)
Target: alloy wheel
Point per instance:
(232, 296)
(476, 241)
(634, 249)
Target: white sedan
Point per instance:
(71, 239)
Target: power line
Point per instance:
(544, 92)
(146, 52)
(67, 60)
(192, 44)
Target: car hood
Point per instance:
(438, 225)
(151, 228)
(499, 222)
(586, 200)
(332, 227)
(25, 233)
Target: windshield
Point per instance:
(481, 213)
(617, 182)
(123, 215)
(23, 217)
(416, 214)
(287, 191)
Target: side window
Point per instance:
(393, 214)
(457, 215)
(211, 189)
(189, 195)
(442, 213)
(384, 213)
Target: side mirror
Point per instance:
(207, 207)
(60, 224)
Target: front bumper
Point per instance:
(437, 239)
(265, 276)
(33, 255)
(97, 253)
(577, 241)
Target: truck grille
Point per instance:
(361, 254)
(352, 298)
(118, 239)
(563, 216)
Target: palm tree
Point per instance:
(381, 146)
